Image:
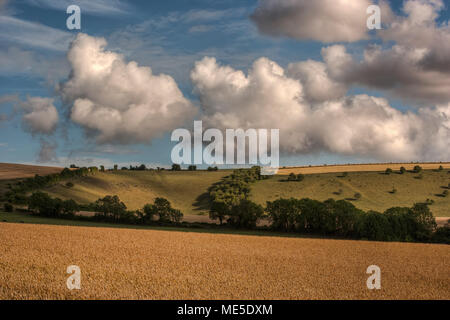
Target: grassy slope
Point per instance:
(185, 190)
(373, 186)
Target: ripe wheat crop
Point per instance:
(147, 264)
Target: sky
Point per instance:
(113, 91)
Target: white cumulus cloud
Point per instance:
(269, 97)
(120, 102)
(39, 115)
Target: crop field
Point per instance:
(147, 264)
(374, 187)
(9, 171)
(359, 168)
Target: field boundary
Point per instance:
(363, 167)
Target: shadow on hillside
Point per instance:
(203, 201)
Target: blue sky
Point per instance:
(170, 36)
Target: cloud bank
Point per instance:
(321, 20)
(415, 68)
(119, 102)
(271, 97)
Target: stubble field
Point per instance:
(147, 264)
(17, 171)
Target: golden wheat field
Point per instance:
(18, 171)
(369, 167)
(147, 264)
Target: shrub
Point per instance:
(357, 196)
(283, 214)
(192, 168)
(402, 170)
(235, 187)
(441, 168)
(445, 193)
(315, 217)
(219, 210)
(374, 226)
(425, 222)
(163, 209)
(417, 169)
(110, 207)
(8, 207)
(246, 214)
(346, 216)
(69, 185)
(43, 204)
(388, 171)
(442, 235)
(147, 214)
(295, 177)
(213, 168)
(69, 208)
(176, 167)
(402, 223)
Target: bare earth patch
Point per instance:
(147, 264)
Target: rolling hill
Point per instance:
(376, 189)
(187, 190)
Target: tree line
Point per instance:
(107, 209)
